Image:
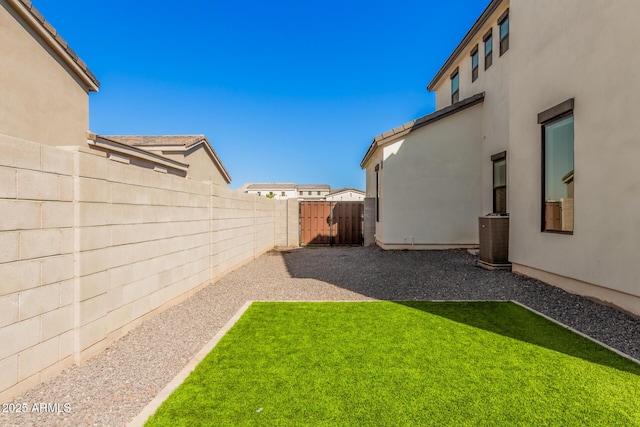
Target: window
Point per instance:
(499, 182)
(282, 194)
(557, 168)
(503, 22)
(271, 193)
(302, 193)
(455, 87)
(488, 49)
(309, 193)
(474, 64)
(377, 193)
(259, 193)
(318, 193)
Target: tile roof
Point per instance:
(344, 190)
(421, 122)
(271, 186)
(186, 141)
(314, 186)
(46, 27)
(150, 140)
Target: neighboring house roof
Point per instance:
(465, 42)
(346, 190)
(414, 125)
(172, 143)
(314, 187)
(51, 37)
(271, 186)
(129, 150)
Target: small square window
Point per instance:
(455, 87)
(309, 193)
(259, 193)
(302, 193)
(318, 193)
(283, 194)
(503, 22)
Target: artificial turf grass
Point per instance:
(409, 363)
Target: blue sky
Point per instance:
(286, 91)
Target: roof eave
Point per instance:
(484, 17)
(129, 150)
(403, 130)
(50, 36)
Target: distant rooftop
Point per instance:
(152, 140)
(271, 186)
(314, 187)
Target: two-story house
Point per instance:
(535, 95)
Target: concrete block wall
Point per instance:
(89, 248)
(369, 221)
(36, 262)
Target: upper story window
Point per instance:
(309, 193)
(302, 193)
(318, 193)
(282, 194)
(503, 22)
(557, 168)
(474, 64)
(259, 193)
(455, 87)
(488, 49)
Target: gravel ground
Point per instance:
(113, 387)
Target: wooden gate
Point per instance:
(331, 223)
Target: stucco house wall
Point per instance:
(431, 193)
(429, 184)
(43, 99)
(580, 50)
(348, 195)
(494, 83)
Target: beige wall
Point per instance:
(40, 101)
(430, 184)
(90, 247)
(201, 164)
(586, 51)
(494, 82)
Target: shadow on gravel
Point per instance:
(451, 275)
(516, 322)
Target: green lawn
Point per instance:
(402, 364)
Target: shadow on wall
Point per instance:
(403, 276)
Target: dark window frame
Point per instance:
(488, 57)
(455, 95)
(475, 70)
(377, 193)
(504, 40)
(496, 158)
(545, 118)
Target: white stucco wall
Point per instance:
(349, 196)
(587, 51)
(41, 100)
(430, 184)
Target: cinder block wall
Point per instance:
(369, 221)
(90, 247)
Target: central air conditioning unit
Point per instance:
(494, 242)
